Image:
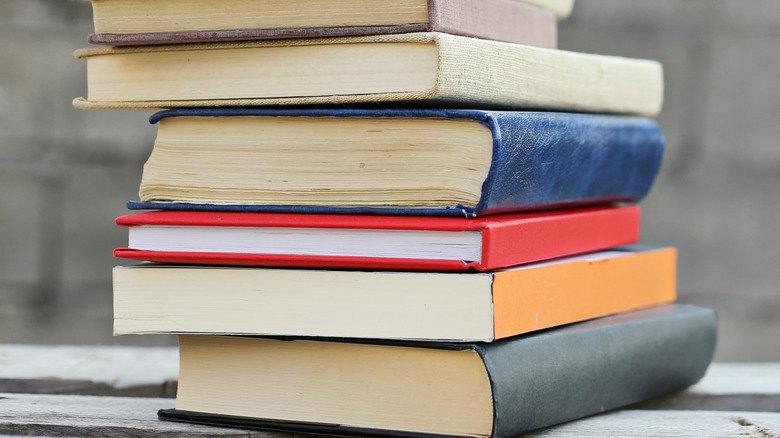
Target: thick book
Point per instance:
(383, 161)
(142, 22)
(498, 389)
(374, 242)
(426, 69)
(452, 306)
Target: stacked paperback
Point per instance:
(400, 218)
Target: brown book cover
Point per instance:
(501, 20)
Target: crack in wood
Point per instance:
(757, 432)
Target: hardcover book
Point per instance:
(141, 22)
(474, 306)
(374, 242)
(411, 162)
(498, 389)
(428, 68)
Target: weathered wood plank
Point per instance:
(87, 416)
(706, 402)
(118, 365)
(728, 387)
(89, 370)
(124, 366)
(152, 372)
(740, 378)
(678, 424)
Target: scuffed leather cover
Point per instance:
(558, 375)
(540, 160)
(591, 367)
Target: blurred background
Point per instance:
(66, 174)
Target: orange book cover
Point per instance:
(404, 305)
(525, 300)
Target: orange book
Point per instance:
(446, 306)
(553, 294)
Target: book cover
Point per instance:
(374, 242)
(561, 8)
(498, 389)
(429, 68)
(150, 22)
(537, 161)
(429, 305)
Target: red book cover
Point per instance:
(495, 241)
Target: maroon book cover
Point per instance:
(500, 20)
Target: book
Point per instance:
(424, 68)
(561, 8)
(430, 305)
(374, 242)
(497, 389)
(384, 161)
(141, 22)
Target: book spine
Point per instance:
(526, 300)
(500, 20)
(561, 8)
(596, 366)
(561, 234)
(494, 74)
(545, 160)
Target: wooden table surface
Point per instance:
(116, 391)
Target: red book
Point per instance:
(375, 242)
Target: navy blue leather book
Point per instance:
(396, 161)
(498, 389)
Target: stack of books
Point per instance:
(412, 217)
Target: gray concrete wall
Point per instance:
(66, 174)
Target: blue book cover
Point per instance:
(540, 160)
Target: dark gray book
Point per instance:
(497, 389)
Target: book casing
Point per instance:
(152, 298)
(497, 389)
(143, 22)
(433, 69)
(460, 163)
(374, 242)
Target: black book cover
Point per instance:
(561, 374)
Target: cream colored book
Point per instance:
(429, 68)
(369, 304)
(561, 8)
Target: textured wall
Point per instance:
(66, 174)
(718, 195)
